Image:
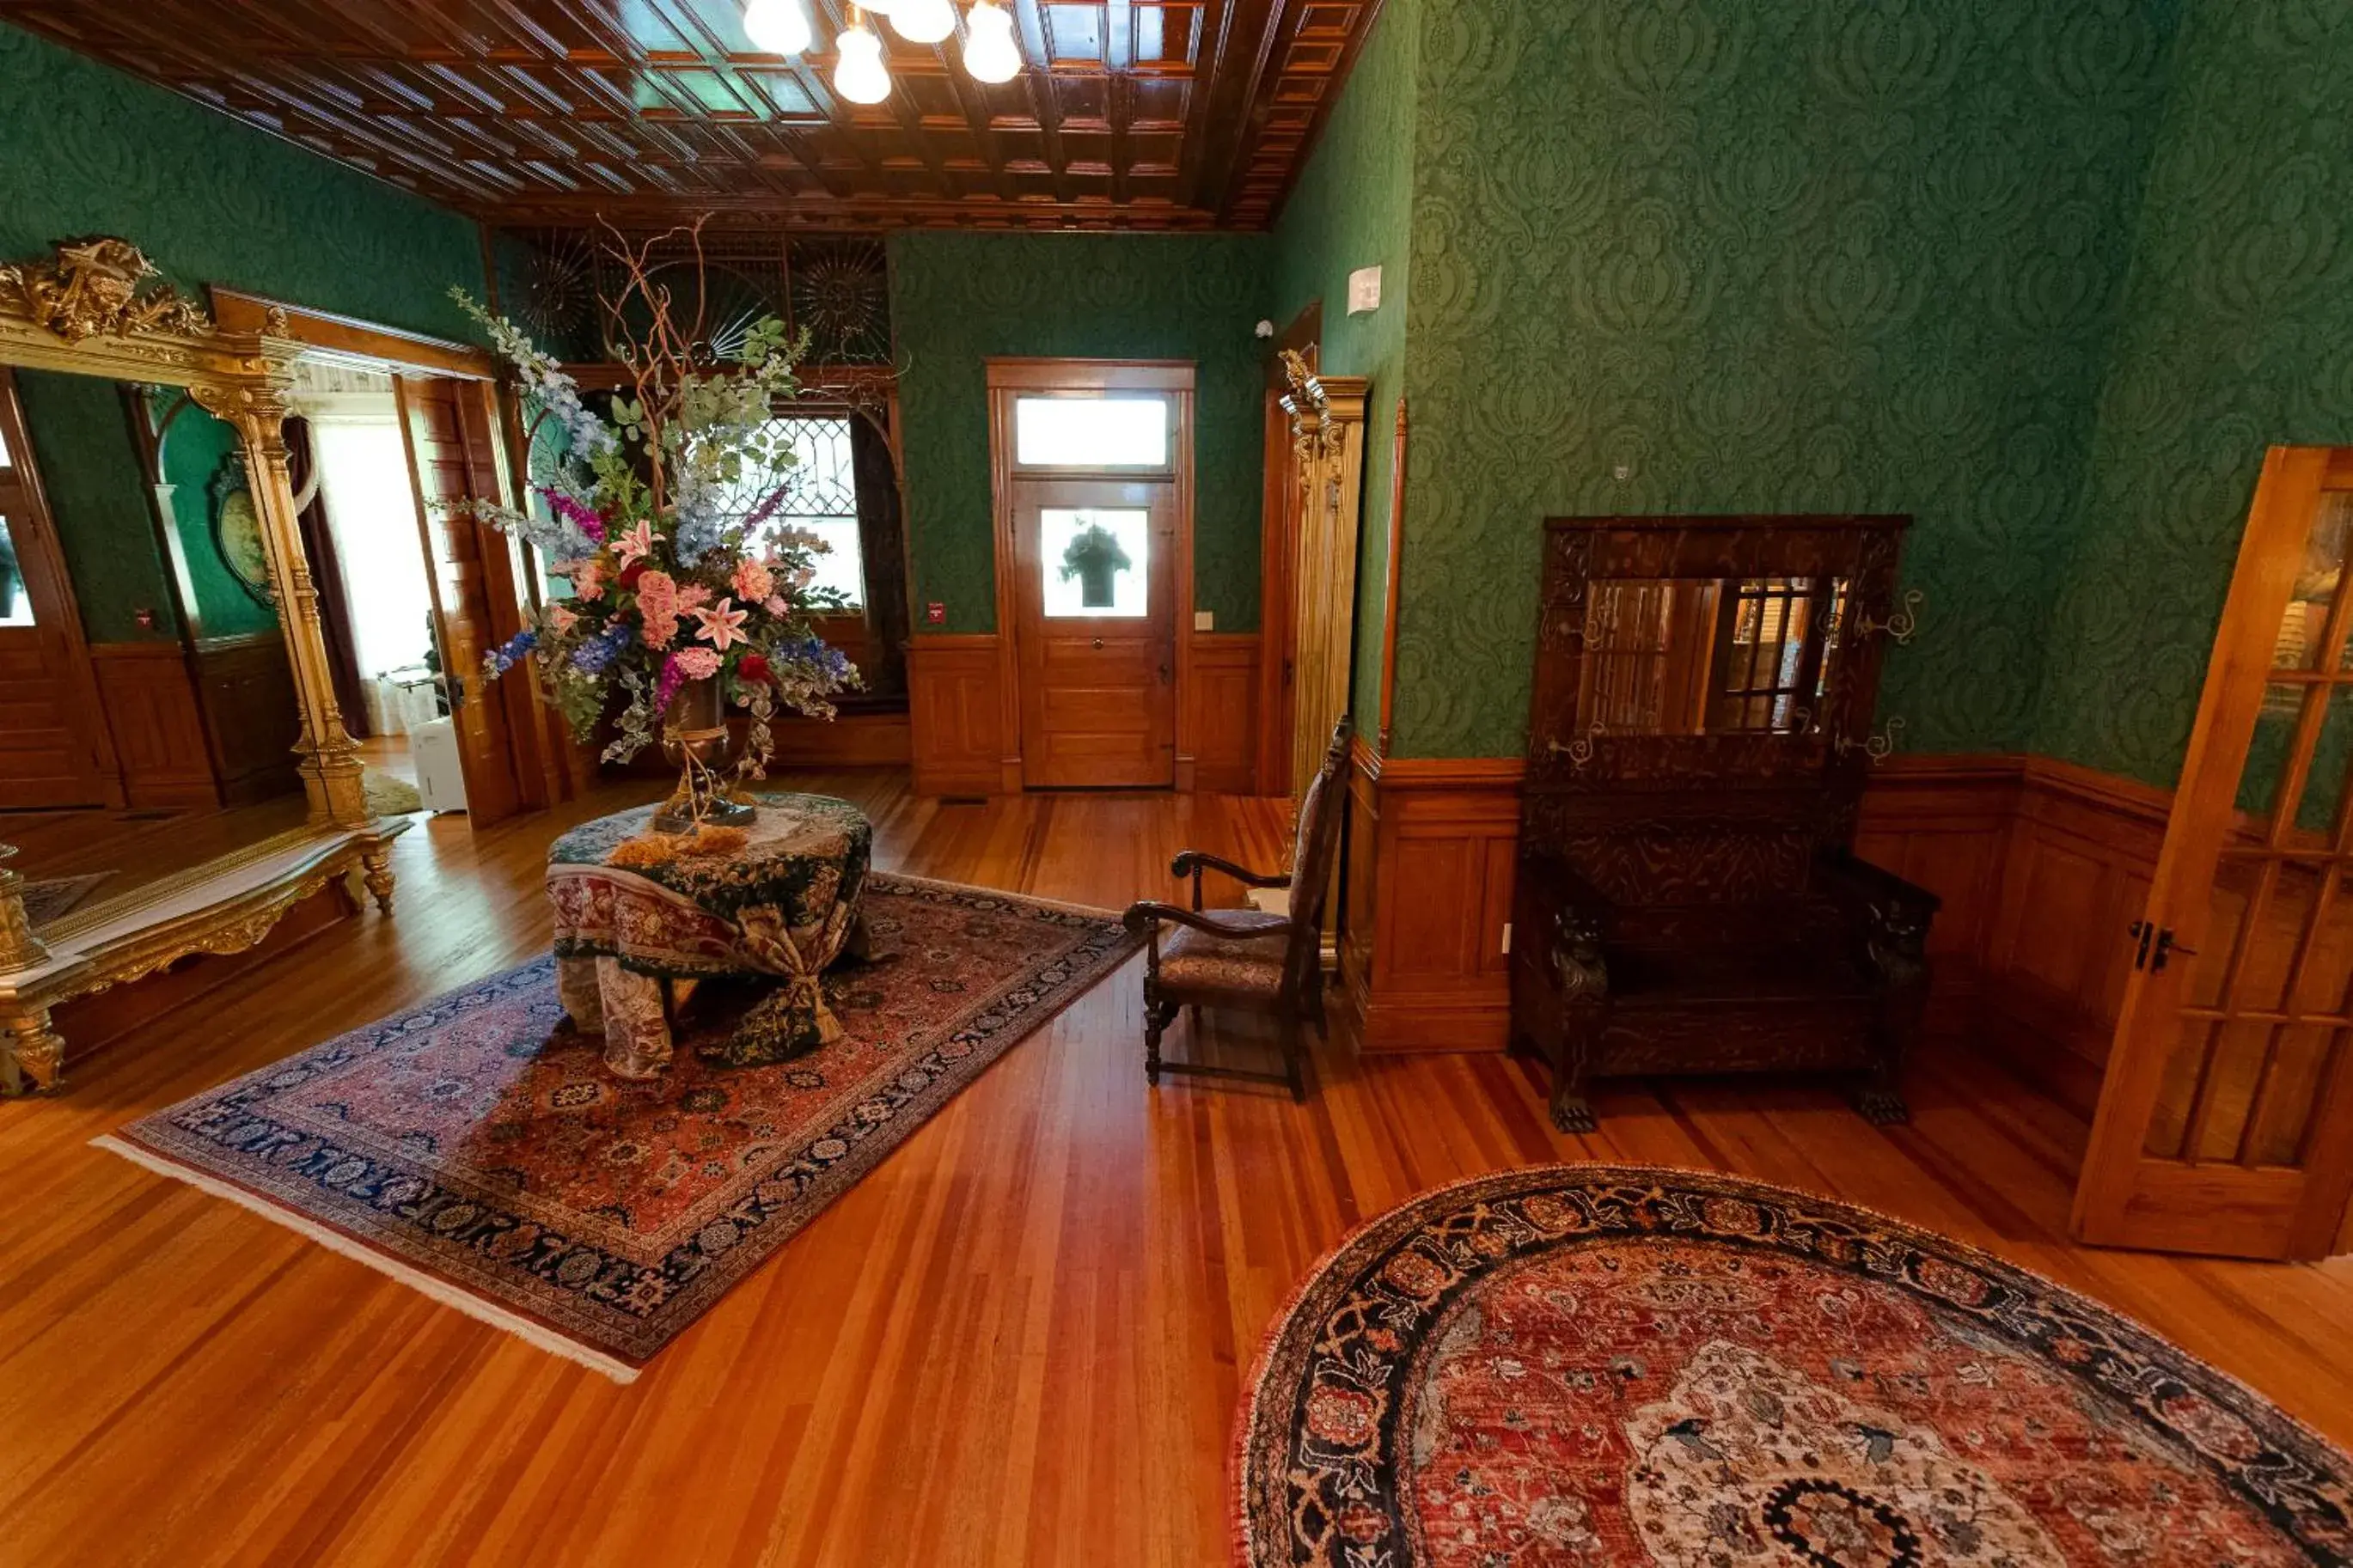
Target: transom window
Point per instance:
(1091, 432)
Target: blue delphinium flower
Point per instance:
(595, 655)
(509, 654)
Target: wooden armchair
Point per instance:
(1248, 959)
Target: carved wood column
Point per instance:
(330, 763)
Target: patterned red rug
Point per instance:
(1601, 1365)
(476, 1146)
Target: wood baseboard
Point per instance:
(2041, 863)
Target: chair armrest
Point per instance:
(1555, 885)
(1561, 923)
(1891, 916)
(1145, 913)
(1861, 885)
(1193, 862)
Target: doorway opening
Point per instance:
(375, 599)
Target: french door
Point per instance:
(479, 587)
(54, 750)
(2225, 1122)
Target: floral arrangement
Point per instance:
(662, 519)
(1095, 557)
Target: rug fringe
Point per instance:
(417, 1279)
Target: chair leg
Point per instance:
(1155, 1020)
(1576, 1036)
(1294, 1047)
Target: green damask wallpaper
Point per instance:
(84, 149)
(1354, 208)
(957, 298)
(89, 471)
(2238, 334)
(195, 445)
(1690, 255)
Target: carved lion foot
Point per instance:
(1882, 1107)
(1573, 1113)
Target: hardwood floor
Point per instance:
(1019, 1340)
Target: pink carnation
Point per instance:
(696, 663)
(587, 578)
(774, 605)
(658, 607)
(560, 616)
(752, 582)
(693, 593)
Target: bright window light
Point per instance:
(1091, 432)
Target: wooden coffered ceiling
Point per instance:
(1129, 113)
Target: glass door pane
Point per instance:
(1096, 562)
(1091, 432)
(15, 603)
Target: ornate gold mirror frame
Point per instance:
(93, 309)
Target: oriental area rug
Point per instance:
(1622, 1366)
(476, 1146)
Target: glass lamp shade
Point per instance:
(861, 77)
(989, 52)
(776, 26)
(922, 21)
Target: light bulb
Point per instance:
(776, 26)
(990, 51)
(861, 77)
(922, 21)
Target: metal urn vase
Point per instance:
(695, 736)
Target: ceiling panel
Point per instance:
(1129, 113)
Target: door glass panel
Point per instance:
(16, 604)
(2303, 630)
(1096, 562)
(2267, 756)
(1091, 432)
(5, 460)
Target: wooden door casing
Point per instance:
(2225, 1122)
(1098, 693)
(54, 750)
(455, 456)
(1170, 380)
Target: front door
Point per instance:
(53, 748)
(1096, 601)
(2226, 1117)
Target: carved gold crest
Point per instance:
(93, 286)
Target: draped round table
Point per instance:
(631, 938)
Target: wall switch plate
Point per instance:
(1205, 620)
(1364, 290)
(936, 613)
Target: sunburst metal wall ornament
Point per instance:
(840, 291)
(835, 288)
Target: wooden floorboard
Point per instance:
(1019, 1340)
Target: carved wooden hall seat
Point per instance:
(1247, 959)
(1699, 731)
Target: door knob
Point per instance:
(1098, 642)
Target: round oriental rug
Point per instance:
(1609, 1366)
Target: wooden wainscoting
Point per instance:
(246, 688)
(1430, 847)
(2041, 865)
(966, 730)
(963, 739)
(1216, 731)
(157, 723)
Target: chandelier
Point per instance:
(782, 27)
